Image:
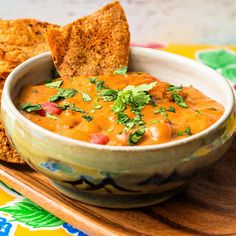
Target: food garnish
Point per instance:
(63, 93)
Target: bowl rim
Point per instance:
(6, 97)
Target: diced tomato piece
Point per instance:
(50, 108)
(41, 112)
(99, 138)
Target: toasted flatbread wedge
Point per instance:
(7, 152)
(19, 40)
(96, 44)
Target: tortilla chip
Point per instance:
(7, 152)
(19, 40)
(96, 44)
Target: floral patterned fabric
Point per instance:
(21, 217)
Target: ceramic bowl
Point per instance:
(115, 176)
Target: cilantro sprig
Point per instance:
(129, 122)
(100, 85)
(108, 94)
(29, 107)
(179, 100)
(121, 71)
(71, 107)
(55, 84)
(136, 136)
(97, 106)
(162, 111)
(187, 131)
(122, 118)
(63, 93)
(134, 96)
(92, 80)
(86, 97)
(174, 88)
(87, 118)
(171, 109)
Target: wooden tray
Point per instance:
(207, 207)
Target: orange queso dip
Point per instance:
(119, 109)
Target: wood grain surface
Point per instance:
(206, 207)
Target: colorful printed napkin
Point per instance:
(21, 217)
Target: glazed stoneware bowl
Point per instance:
(115, 176)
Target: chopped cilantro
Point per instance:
(162, 111)
(137, 120)
(138, 100)
(171, 109)
(135, 136)
(108, 94)
(63, 93)
(118, 105)
(129, 123)
(174, 88)
(179, 100)
(71, 107)
(180, 133)
(141, 87)
(97, 106)
(87, 117)
(51, 116)
(99, 85)
(35, 91)
(28, 107)
(92, 80)
(55, 84)
(86, 97)
(122, 118)
(135, 96)
(121, 71)
(188, 131)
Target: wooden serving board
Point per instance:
(206, 207)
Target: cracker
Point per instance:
(96, 44)
(19, 40)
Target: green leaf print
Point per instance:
(217, 59)
(229, 72)
(31, 214)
